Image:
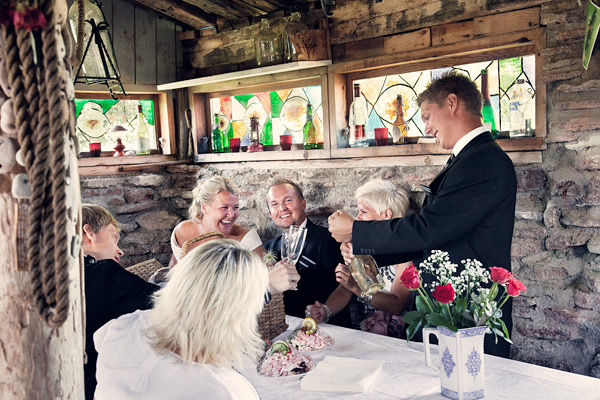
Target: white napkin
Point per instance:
(338, 374)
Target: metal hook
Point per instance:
(324, 4)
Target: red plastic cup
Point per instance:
(381, 136)
(285, 141)
(234, 145)
(95, 149)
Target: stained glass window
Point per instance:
(381, 92)
(96, 117)
(279, 112)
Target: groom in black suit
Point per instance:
(470, 206)
(319, 257)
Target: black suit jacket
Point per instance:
(316, 266)
(469, 213)
(110, 291)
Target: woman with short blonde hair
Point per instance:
(376, 200)
(188, 343)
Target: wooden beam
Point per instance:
(180, 11)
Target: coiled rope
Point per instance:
(43, 124)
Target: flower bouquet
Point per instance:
(459, 301)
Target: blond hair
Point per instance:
(207, 312)
(383, 195)
(96, 217)
(206, 191)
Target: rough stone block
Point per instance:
(529, 206)
(137, 207)
(139, 195)
(563, 238)
(115, 201)
(529, 229)
(585, 217)
(530, 179)
(594, 243)
(525, 247)
(587, 300)
(551, 214)
(101, 182)
(147, 180)
(157, 220)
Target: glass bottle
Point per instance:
(142, 134)
(267, 45)
(291, 29)
(92, 66)
(365, 272)
(399, 129)
(255, 144)
(217, 137)
(519, 104)
(487, 110)
(358, 119)
(310, 132)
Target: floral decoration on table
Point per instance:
(23, 14)
(459, 301)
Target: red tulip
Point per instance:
(410, 277)
(443, 293)
(500, 275)
(515, 287)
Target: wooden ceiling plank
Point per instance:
(179, 11)
(217, 7)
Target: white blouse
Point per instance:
(251, 241)
(129, 368)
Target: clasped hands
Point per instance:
(340, 226)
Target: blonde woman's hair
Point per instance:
(207, 312)
(383, 195)
(205, 192)
(97, 217)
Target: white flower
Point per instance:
(269, 258)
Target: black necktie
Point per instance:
(452, 157)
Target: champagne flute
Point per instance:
(292, 243)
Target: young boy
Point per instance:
(110, 290)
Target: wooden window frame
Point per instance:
(164, 129)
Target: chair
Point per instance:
(145, 269)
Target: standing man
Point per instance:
(319, 257)
(110, 291)
(470, 206)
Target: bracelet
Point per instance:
(328, 313)
(365, 299)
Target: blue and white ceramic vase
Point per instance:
(461, 361)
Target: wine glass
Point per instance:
(292, 243)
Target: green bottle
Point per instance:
(217, 137)
(310, 132)
(489, 115)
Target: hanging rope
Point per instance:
(76, 60)
(42, 118)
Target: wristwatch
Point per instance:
(366, 299)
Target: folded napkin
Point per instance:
(337, 374)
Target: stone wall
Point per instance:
(556, 246)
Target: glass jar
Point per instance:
(293, 27)
(267, 45)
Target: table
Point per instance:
(405, 376)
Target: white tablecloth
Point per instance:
(405, 376)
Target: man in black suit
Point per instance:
(470, 205)
(319, 257)
(110, 291)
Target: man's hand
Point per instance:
(347, 252)
(283, 277)
(340, 226)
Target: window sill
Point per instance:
(118, 165)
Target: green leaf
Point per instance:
(421, 304)
(446, 313)
(413, 328)
(468, 316)
(505, 330)
(438, 320)
(412, 316)
(461, 306)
